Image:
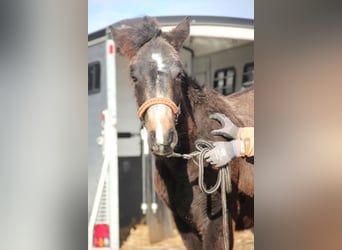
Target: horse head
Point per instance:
(156, 74)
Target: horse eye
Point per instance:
(134, 79)
(179, 76)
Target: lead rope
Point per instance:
(223, 179)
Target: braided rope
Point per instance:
(223, 180)
(158, 100)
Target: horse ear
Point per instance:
(177, 36)
(122, 42)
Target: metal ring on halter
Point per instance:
(159, 100)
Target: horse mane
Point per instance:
(134, 33)
(239, 107)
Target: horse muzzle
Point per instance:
(162, 144)
(159, 121)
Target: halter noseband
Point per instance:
(159, 100)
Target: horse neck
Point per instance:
(197, 104)
(194, 122)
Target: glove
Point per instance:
(221, 154)
(228, 130)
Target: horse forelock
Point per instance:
(136, 33)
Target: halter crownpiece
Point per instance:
(158, 100)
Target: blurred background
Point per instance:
(104, 12)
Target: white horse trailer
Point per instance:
(218, 53)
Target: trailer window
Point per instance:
(94, 79)
(224, 81)
(248, 72)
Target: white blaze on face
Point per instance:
(161, 113)
(160, 66)
(159, 126)
(159, 60)
(160, 120)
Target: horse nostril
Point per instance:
(172, 139)
(153, 136)
(171, 134)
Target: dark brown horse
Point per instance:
(175, 110)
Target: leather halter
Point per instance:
(159, 100)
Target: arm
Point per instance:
(242, 145)
(245, 142)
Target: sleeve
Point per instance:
(246, 135)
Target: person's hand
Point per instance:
(228, 130)
(221, 154)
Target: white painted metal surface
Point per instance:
(108, 181)
(112, 147)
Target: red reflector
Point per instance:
(101, 235)
(103, 116)
(111, 49)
